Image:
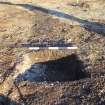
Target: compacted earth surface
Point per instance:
(52, 77)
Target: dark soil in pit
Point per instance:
(68, 68)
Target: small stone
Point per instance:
(52, 84)
(1, 79)
(102, 91)
(69, 40)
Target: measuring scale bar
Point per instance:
(53, 48)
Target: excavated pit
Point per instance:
(67, 68)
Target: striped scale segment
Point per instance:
(53, 48)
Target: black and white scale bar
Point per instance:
(52, 48)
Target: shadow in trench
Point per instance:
(68, 68)
(4, 100)
(88, 25)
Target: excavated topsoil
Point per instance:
(49, 77)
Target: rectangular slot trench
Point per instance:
(69, 68)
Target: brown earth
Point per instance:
(19, 26)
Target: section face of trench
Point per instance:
(68, 68)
